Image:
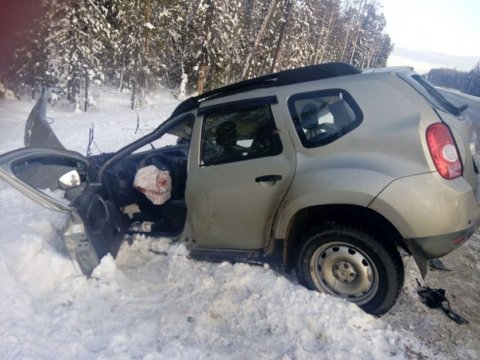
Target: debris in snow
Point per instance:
(145, 226)
(437, 264)
(436, 299)
(131, 210)
(149, 26)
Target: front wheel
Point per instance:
(351, 264)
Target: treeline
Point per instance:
(193, 45)
(465, 81)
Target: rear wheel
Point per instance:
(351, 264)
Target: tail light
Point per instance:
(444, 151)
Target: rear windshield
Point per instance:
(431, 94)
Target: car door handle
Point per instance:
(265, 178)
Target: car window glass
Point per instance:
(236, 135)
(180, 134)
(324, 116)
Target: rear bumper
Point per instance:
(434, 216)
(437, 246)
(433, 247)
(427, 206)
(424, 249)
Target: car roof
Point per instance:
(286, 77)
(390, 69)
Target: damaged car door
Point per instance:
(59, 180)
(99, 192)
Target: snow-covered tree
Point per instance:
(31, 66)
(195, 45)
(77, 35)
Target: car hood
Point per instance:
(38, 132)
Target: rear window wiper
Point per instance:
(462, 108)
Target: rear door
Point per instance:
(239, 171)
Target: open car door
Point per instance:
(96, 227)
(58, 179)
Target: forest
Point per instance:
(191, 46)
(467, 82)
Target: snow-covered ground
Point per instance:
(153, 302)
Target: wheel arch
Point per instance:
(355, 216)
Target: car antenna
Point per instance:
(91, 134)
(137, 128)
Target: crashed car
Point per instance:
(326, 169)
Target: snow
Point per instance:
(153, 302)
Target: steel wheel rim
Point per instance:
(345, 271)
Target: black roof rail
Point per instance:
(286, 77)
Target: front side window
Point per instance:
(321, 117)
(178, 134)
(231, 135)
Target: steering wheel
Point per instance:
(159, 160)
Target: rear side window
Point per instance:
(321, 117)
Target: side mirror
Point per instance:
(69, 180)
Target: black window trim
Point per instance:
(346, 96)
(237, 105)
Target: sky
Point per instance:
(424, 31)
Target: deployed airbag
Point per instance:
(154, 183)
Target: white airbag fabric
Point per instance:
(156, 184)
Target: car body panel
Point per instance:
(445, 206)
(355, 168)
(228, 207)
(460, 125)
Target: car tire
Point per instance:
(349, 263)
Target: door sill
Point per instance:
(254, 257)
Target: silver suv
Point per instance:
(326, 169)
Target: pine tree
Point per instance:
(473, 87)
(77, 35)
(31, 67)
(195, 45)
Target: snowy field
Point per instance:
(153, 302)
